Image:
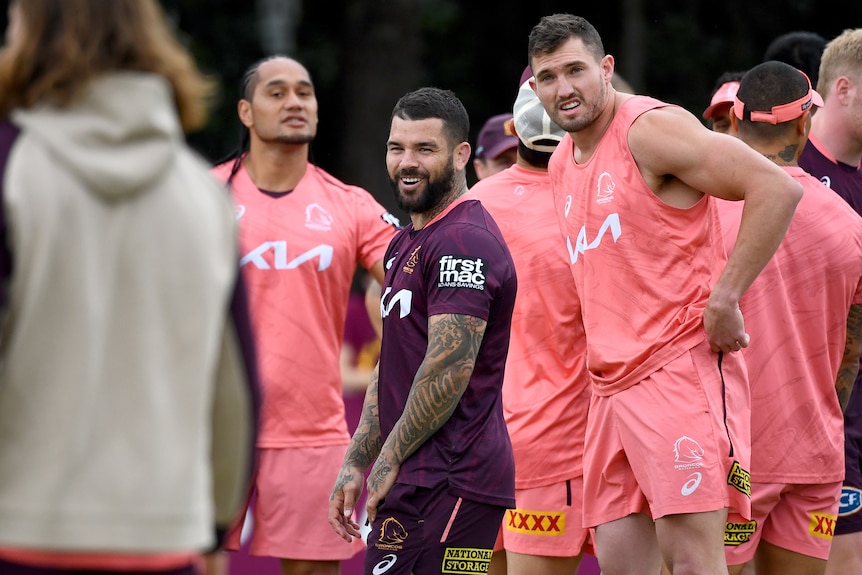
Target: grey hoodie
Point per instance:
(122, 369)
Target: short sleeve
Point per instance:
(376, 228)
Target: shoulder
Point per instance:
(470, 226)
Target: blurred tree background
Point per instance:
(364, 54)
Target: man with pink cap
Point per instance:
(804, 315)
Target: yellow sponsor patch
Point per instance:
(466, 561)
(738, 533)
(535, 522)
(740, 479)
(822, 525)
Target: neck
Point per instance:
(834, 133)
(420, 220)
(522, 163)
(276, 167)
(780, 153)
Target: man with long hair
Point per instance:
(302, 233)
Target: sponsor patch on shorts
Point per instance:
(467, 561)
(535, 522)
(740, 479)
(822, 525)
(738, 533)
(851, 501)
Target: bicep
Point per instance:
(670, 142)
(454, 341)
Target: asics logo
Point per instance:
(385, 564)
(692, 484)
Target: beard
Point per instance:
(436, 188)
(589, 115)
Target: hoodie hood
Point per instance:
(118, 137)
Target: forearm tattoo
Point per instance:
(366, 443)
(850, 363)
(453, 345)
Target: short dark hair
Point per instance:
(430, 102)
(800, 49)
(763, 87)
(553, 31)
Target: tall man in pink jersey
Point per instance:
(804, 314)
(667, 442)
(834, 154)
(302, 233)
(546, 392)
(432, 427)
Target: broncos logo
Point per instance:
(606, 186)
(392, 532)
(687, 449)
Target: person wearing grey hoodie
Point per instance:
(128, 395)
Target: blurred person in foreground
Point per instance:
(303, 233)
(127, 388)
(634, 183)
(495, 149)
(804, 314)
(546, 390)
(834, 154)
(432, 427)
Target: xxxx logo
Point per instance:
(822, 525)
(536, 522)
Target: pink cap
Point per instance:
(784, 112)
(725, 94)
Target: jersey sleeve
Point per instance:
(468, 269)
(376, 227)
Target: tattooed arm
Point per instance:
(453, 344)
(849, 367)
(363, 449)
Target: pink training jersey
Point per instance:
(299, 254)
(796, 314)
(546, 388)
(643, 269)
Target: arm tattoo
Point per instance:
(453, 345)
(365, 444)
(850, 362)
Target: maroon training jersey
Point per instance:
(457, 264)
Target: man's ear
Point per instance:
(243, 110)
(734, 121)
(462, 155)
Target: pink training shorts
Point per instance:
(676, 442)
(800, 518)
(291, 502)
(547, 522)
